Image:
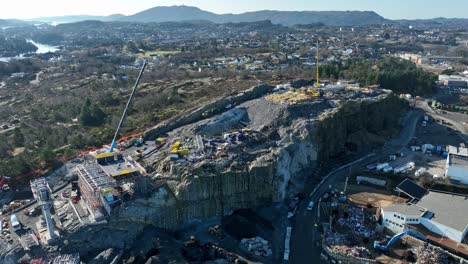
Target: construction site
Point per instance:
(249, 150)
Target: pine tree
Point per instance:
(18, 138)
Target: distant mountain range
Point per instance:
(286, 18)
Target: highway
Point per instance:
(305, 238)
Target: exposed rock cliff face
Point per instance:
(294, 139)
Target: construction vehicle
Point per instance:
(312, 93)
(114, 140)
(177, 149)
(138, 153)
(160, 141)
(382, 247)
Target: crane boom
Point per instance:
(317, 82)
(379, 246)
(114, 141)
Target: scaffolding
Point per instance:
(92, 180)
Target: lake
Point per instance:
(41, 48)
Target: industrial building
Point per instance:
(457, 165)
(441, 213)
(453, 81)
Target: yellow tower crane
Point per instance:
(312, 91)
(317, 82)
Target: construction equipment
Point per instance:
(114, 141)
(160, 141)
(177, 149)
(313, 93)
(379, 246)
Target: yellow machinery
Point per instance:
(176, 149)
(139, 153)
(108, 157)
(312, 93)
(160, 141)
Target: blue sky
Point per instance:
(393, 9)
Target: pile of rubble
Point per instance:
(430, 254)
(358, 226)
(358, 252)
(356, 221)
(257, 246)
(335, 239)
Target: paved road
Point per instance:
(304, 238)
(462, 130)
